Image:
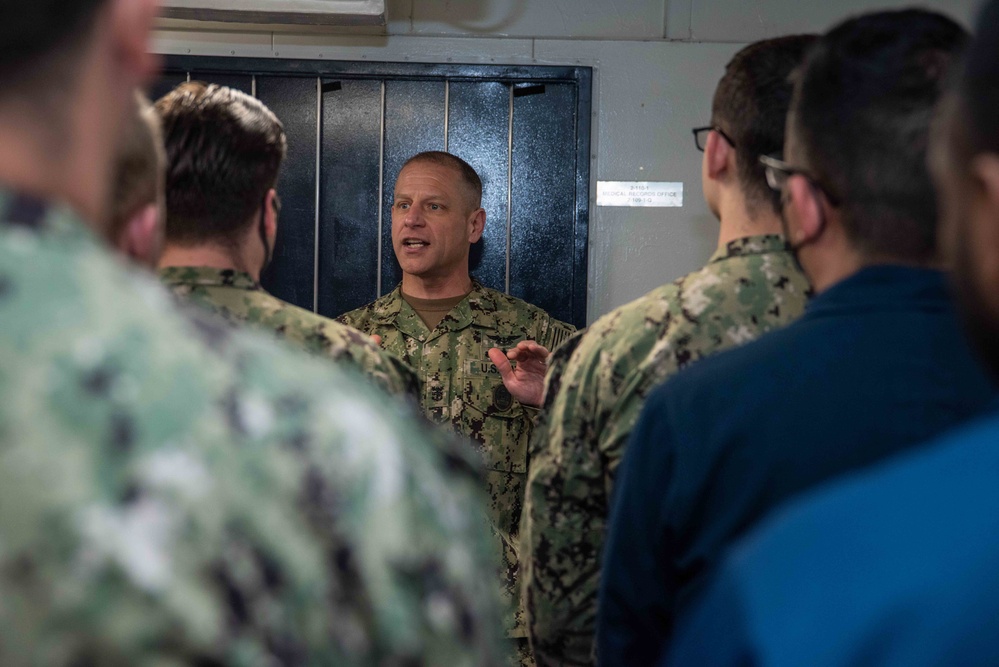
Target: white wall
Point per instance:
(655, 62)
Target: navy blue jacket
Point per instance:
(897, 565)
(876, 365)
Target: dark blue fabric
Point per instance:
(876, 365)
(898, 565)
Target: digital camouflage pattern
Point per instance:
(176, 492)
(239, 298)
(748, 287)
(463, 388)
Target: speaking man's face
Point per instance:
(434, 221)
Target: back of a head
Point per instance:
(860, 120)
(138, 173)
(751, 104)
(38, 41)
(469, 177)
(224, 152)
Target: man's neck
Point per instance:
(213, 257)
(34, 162)
(737, 222)
(422, 287)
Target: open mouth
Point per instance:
(413, 243)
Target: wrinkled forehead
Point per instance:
(432, 178)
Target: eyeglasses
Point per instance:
(777, 172)
(701, 136)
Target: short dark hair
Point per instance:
(751, 103)
(224, 152)
(38, 38)
(139, 165)
(465, 170)
(862, 109)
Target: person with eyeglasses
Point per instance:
(224, 152)
(750, 285)
(895, 565)
(875, 366)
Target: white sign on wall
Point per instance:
(318, 12)
(639, 193)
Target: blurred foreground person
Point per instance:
(225, 150)
(875, 366)
(749, 286)
(897, 565)
(173, 492)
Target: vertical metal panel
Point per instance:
(479, 135)
(167, 82)
(381, 185)
(544, 198)
(318, 190)
(447, 114)
(414, 122)
(291, 274)
(349, 197)
(509, 188)
(581, 235)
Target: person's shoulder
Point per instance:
(374, 314)
(904, 526)
(628, 325)
(956, 464)
(751, 371)
(514, 316)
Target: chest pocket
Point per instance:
(491, 417)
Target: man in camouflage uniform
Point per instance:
(451, 329)
(225, 150)
(173, 492)
(750, 285)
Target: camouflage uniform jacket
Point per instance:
(748, 287)
(177, 492)
(461, 387)
(239, 298)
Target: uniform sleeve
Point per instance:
(562, 529)
(636, 590)
(598, 399)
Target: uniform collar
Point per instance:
(478, 309)
(761, 244)
(204, 276)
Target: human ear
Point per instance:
(983, 222)
(717, 153)
(476, 225)
(806, 223)
(271, 216)
(131, 25)
(141, 239)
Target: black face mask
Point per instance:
(793, 248)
